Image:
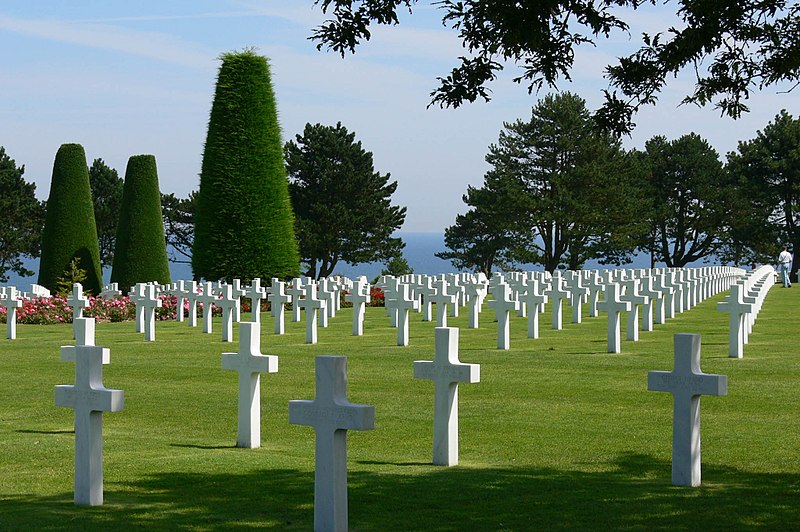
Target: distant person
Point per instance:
(785, 266)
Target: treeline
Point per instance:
(263, 209)
(561, 191)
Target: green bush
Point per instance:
(140, 253)
(69, 228)
(244, 225)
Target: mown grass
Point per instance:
(558, 434)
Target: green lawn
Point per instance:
(558, 434)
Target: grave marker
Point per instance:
(613, 304)
(331, 415)
(89, 398)
(9, 298)
(277, 299)
(503, 304)
(686, 383)
(250, 363)
(446, 371)
(311, 305)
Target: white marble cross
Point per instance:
(577, 293)
(359, 296)
(90, 399)
(403, 302)
(503, 305)
(329, 292)
(476, 291)
(277, 299)
(311, 305)
(442, 298)
(228, 301)
(297, 291)
(655, 299)
(557, 294)
(737, 307)
(110, 291)
(10, 299)
(686, 383)
(428, 292)
(207, 298)
(255, 293)
(77, 302)
(613, 305)
(446, 371)
(137, 297)
(250, 363)
(331, 415)
(181, 292)
(633, 296)
(238, 292)
(535, 300)
(149, 303)
(192, 297)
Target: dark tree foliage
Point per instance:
(343, 206)
(140, 254)
(691, 200)
(107, 198)
(21, 230)
(476, 242)
(178, 216)
(559, 190)
(730, 48)
(69, 228)
(244, 225)
(767, 172)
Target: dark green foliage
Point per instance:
(69, 228)
(343, 206)
(559, 193)
(107, 197)
(476, 242)
(730, 48)
(178, 216)
(397, 266)
(766, 170)
(690, 199)
(140, 254)
(23, 216)
(244, 225)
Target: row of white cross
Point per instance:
(331, 414)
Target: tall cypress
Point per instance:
(140, 253)
(244, 225)
(69, 228)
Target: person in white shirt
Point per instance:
(785, 266)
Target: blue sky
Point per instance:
(124, 78)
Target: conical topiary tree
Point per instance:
(140, 253)
(244, 226)
(69, 238)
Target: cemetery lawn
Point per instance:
(557, 435)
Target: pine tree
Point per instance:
(69, 228)
(140, 254)
(244, 225)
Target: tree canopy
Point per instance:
(560, 192)
(767, 171)
(244, 225)
(106, 188)
(69, 237)
(730, 49)
(20, 232)
(140, 254)
(690, 199)
(178, 216)
(342, 205)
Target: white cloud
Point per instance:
(153, 45)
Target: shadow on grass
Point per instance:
(636, 495)
(28, 431)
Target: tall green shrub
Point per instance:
(244, 225)
(69, 228)
(140, 253)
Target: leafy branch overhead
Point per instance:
(732, 49)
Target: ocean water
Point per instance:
(419, 252)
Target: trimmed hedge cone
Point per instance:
(140, 253)
(244, 224)
(69, 232)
